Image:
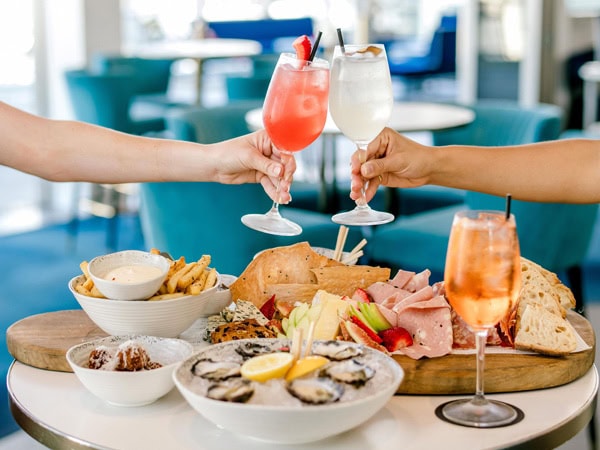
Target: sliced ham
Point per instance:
(423, 294)
(389, 314)
(430, 328)
(418, 281)
(401, 278)
(380, 291)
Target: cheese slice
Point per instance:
(328, 324)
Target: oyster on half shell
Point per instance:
(349, 371)
(216, 370)
(316, 391)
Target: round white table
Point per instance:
(406, 117)
(198, 50)
(55, 409)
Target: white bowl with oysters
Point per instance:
(351, 384)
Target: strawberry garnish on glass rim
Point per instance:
(302, 46)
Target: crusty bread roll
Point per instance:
(541, 323)
(541, 331)
(564, 295)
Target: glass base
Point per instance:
(480, 413)
(363, 215)
(272, 223)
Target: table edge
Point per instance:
(56, 439)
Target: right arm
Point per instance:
(564, 171)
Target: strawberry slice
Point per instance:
(360, 295)
(367, 329)
(302, 46)
(395, 338)
(268, 308)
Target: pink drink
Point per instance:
(295, 107)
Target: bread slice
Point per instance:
(562, 292)
(537, 290)
(541, 331)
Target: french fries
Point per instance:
(183, 278)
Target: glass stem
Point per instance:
(362, 201)
(480, 342)
(275, 207)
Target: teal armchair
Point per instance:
(192, 219)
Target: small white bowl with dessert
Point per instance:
(128, 370)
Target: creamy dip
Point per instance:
(132, 274)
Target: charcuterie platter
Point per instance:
(42, 341)
(434, 350)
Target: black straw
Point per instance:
(508, 200)
(315, 46)
(341, 39)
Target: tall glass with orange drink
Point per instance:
(294, 114)
(482, 280)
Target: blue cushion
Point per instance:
(416, 242)
(192, 219)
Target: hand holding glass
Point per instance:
(482, 280)
(360, 102)
(294, 114)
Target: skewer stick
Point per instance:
(296, 343)
(359, 246)
(309, 339)
(352, 256)
(341, 241)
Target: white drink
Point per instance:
(360, 93)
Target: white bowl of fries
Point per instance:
(164, 318)
(177, 304)
(129, 274)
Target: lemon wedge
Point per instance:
(264, 367)
(306, 365)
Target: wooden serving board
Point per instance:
(504, 372)
(43, 340)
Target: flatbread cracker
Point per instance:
(280, 265)
(344, 280)
(292, 292)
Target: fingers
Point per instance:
(281, 195)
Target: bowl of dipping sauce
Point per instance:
(129, 274)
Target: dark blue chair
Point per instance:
(194, 218)
(439, 57)
(269, 32)
(554, 235)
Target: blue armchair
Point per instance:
(269, 32)
(106, 100)
(554, 235)
(438, 58)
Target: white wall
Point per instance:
(68, 33)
